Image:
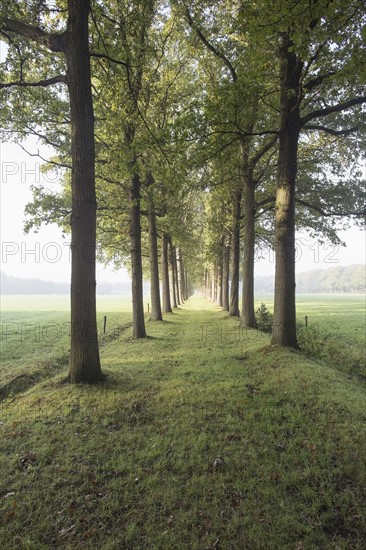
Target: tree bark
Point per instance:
(284, 322)
(187, 284)
(226, 275)
(84, 361)
(155, 314)
(183, 277)
(220, 270)
(136, 260)
(173, 296)
(176, 277)
(205, 283)
(167, 308)
(180, 274)
(234, 290)
(247, 312)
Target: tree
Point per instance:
(167, 308)
(156, 314)
(73, 44)
(312, 70)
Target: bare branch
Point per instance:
(124, 186)
(330, 131)
(41, 83)
(263, 150)
(31, 131)
(210, 46)
(317, 80)
(264, 211)
(239, 134)
(268, 200)
(110, 59)
(330, 213)
(333, 109)
(45, 160)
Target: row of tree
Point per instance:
(189, 133)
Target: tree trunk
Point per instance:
(84, 361)
(167, 308)
(155, 314)
(226, 276)
(284, 322)
(176, 278)
(183, 277)
(247, 311)
(173, 296)
(180, 274)
(234, 290)
(219, 280)
(220, 271)
(136, 260)
(187, 286)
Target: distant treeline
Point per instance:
(19, 285)
(350, 279)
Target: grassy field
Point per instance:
(35, 335)
(336, 329)
(202, 437)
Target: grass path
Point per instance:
(202, 437)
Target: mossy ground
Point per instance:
(203, 436)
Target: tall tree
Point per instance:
(156, 314)
(312, 68)
(167, 308)
(74, 44)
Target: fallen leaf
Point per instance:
(66, 530)
(217, 463)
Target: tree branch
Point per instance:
(54, 42)
(32, 132)
(329, 213)
(262, 151)
(110, 59)
(210, 46)
(320, 128)
(317, 80)
(269, 209)
(41, 83)
(61, 165)
(333, 109)
(268, 200)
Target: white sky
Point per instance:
(45, 255)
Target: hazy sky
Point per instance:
(45, 255)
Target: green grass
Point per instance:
(203, 436)
(35, 335)
(336, 329)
